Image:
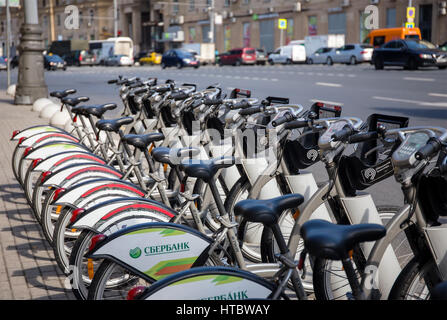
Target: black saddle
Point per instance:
(334, 241)
(142, 141)
(113, 125)
(205, 169)
(62, 94)
(173, 156)
(98, 110)
(268, 211)
(74, 101)
(79, 110)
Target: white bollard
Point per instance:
(41, 103)
(48, 111)
(11, 90)
(59, 119)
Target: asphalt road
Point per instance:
(360, 90)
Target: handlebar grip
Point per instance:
(196, 103)
(433, 145)
(136, 85)
(112, 81)
(241, 105)
(179, 95)
(140, 91)
(361, 137)
(342, 134)
(285, 118)
(250, 111)
(296, 124)
(212, 102)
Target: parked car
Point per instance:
(238, 56)
(2, 63)
(179, 58)
(320, 56)
(118, 60)
(351, 54)
(54, 62)
(289, 54)
(261, 57)
(150, 58)
(410, 54)
(80, 58)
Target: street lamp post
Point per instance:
(31, 82)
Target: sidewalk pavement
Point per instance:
(28, 269)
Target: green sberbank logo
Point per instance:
(167, 248)
(135, 253)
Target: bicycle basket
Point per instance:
(300, 153)
(432, 196)
(360, 170)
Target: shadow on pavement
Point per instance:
(435, 113)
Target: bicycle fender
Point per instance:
(25, 133)
(101, 216)
(65, 158)
(153, 250)
(44, 137)
(51, 148)
(82, 193)
(209, 283)
(66, 176)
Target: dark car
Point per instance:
(54, 62)
(179, 58)
(80, 58)
(410, 54)
(238, 56)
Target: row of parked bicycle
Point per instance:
(193, 194)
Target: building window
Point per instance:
(81, 19)
(175, 6)
(337, 23)
(289, 33)
(312, 26)
(363, 31)
(192, 5)
(58, 19)
(246, 34)
(44, 3)
(226, 3)
(192, 34)
(391, 17)
(206, 34)
(92, 14)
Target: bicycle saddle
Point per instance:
(267, 211)
(173, 156)
(114, 124)
(74, 101)
(98, 110)
(62, 94)
(333, 241)
(79, 110)
(142, 141)
(205, 169)
(440, 292)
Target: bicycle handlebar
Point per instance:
(296, 124)
(362, 137)
(285, 118)
(343, 134)
(432, 147)
(250, 111)
(243, 104)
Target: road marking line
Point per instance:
(419, 79)
(328, 102)
(443, 95)
(421, 103)
(327, 84)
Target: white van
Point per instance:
(288, 54)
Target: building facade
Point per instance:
(254, 23)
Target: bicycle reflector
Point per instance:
(57, 193)
(36, 162)
(95, 240)
(21, 140)
(14, 133)
(76, 213)
(135, 292)
(45, 175)
(27, 150)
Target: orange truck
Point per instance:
(378, 37)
